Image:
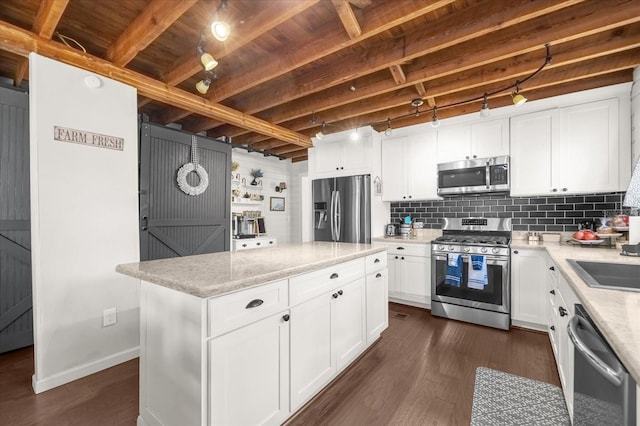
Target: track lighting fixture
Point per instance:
(206, 59)
(485, 111)
(320, 133)
(203, 85)
(389, 130)
(517, 97)
(219, 28)
(434, 120)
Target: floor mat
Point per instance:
(501, 398)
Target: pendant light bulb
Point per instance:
(434, 120)
(485, 111)
(355, 135)
(203, 85)
(220, 30)
(389, 130)
(320, 133)
(518, 99)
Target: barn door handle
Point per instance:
(145, 223)
(254, 303)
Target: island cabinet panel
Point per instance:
(249, 374)
(529, 288)
(307, 286)
(377, 296)
(348, 323)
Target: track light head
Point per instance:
(206, 59)
(220, 30)
(417, 102)
(434, 120)
(203, 85)
(518, 99)
(485, 111)
(388, 131)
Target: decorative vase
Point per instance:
(254, 182)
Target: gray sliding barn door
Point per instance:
(173, 223)
(16, 314)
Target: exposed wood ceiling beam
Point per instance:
(361, 4)
(509, 43)
(398, 74)
(145, 28)
(188, 65)
(422, 92)
(348, 18)
(446, 33)
(21, 42)
(45, 23)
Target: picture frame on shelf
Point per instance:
(276, 204)
(261, 228)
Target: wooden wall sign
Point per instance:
(82, 137)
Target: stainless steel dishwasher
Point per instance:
(604, 393)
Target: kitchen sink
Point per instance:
(615, 276)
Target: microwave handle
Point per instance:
(488, 175)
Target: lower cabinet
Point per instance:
(327, 333)
(529, 288)
(250, 368)
(377, 304)
(252, 243)
(409, 272)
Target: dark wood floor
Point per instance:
(421, 372)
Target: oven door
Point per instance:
(494, 297)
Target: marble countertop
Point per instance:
(424, 236)
(615, 312)
(216, 274)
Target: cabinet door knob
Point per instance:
(334, 295)
(257, 244)
(552, 292)
(244, 245)
(285, 317)
(409, 196)
(564, 189)
(340, 292)
(333, 276)
(466, 157)
(337, 168)
(475, 156)
(378, 275)
(552, 268)
(376, 261)
(563, 311)
(553, 328)
(515, 252)
(254, 303)
(270, 242)
(396, 257)
(554, 190)
(404, 198)
(402, 258)
(341, 168)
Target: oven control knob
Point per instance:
(483, 249)
(451, 248)
(495, 250)
(466, 249)
(440, 247)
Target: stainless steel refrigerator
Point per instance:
(342, 209)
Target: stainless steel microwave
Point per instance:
(474, 176)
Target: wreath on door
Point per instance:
(193, 166)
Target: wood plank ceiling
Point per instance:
(291, 65)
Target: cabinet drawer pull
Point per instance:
(376, 261)
(399, 248)
(333, 276)
(254, 303)
(515, 252)
(334, 295)
(285, 317)
(563, 311)
(552, 328)
(244, 245)
(378, 275)
(270, 242)
(340, 292)
(257, 244)
(552, 291)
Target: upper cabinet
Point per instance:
(568, 150)
(339, 155)
(477, 140)
(409, 167)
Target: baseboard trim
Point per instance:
(413, 303)
(84, 370)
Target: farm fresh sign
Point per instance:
(65, 134)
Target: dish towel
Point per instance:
(478, 278)
(454, 270)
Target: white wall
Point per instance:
(278, 224)
(84, 214)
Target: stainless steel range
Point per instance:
(470, 267)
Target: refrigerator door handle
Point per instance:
(338, 215)
(332, 219)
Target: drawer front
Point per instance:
(375, 262)
(307, 286)
(244, 244)
(411, 249)
(235, 310)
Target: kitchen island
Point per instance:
(249, 337)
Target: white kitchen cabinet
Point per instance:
(569, 150)
(257, 355)
(481, 139)
(409, 167)
(327, 333)
(528, 288)
(342, 157)
(377, 296)
(409, 267)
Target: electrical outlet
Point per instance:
(109, 317)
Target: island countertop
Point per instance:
(216, 274)
(615, 312)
